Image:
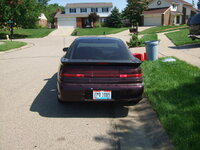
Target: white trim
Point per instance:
(166, 10)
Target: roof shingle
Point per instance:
(155, 11)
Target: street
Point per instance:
(31, 117)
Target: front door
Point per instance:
(86, 23)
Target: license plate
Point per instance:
(101, 94)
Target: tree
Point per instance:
(93, 17)
(44, 2)
(114, 20)
(134, 10)
(198, 5)
(51, 10)
(23, 12)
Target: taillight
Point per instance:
(72, 75)
(130, 75)
(102, 75)
(101, 71)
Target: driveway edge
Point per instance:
(17, 49)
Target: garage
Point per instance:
(152, 20)
(66, 22)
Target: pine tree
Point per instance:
(193, 3)
(114, 20)
(198, 5)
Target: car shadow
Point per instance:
(190, 46)
(46, 105)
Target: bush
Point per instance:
(97, 24)
(134, 41)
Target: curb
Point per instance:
(20, 48)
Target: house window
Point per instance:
(94, 9)
(103, 20)
(72, 10)
(83, 10)
(174, 6)
(104, 9)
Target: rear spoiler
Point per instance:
(136, 62)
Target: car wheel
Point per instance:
(59, 100)
(193, 39)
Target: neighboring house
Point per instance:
(168, 12)
(42, 20)
(76, 14)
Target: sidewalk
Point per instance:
(189, 53)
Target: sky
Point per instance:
(120, 4)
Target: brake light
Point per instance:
(130, 75)
(72, 75)
(102, 75)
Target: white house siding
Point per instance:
(78, 11)
(180, 7)
(66, 22)
(152, 20)
(155, 5)
(188, 11)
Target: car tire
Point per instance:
(59, 100)
(193, 39)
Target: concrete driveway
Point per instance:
(31, 117)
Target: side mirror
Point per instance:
(65, 49)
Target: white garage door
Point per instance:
(152, 21)
(66, 22)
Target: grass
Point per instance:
(148, 37)
(26, 33)
(160, 29)
(98, 31)
(11, 45)
(181, 38)
(173, 90)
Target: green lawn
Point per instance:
(98, 31)
(11, 45)
(173, 88)
(26, 33)
(181, 37)
(148, 37)
(159, 29)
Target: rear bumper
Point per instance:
(84, 92)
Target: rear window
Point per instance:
(99, 49)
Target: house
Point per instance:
(168, 12)
(76, 14)
(42, 20)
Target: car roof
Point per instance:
(97, 38)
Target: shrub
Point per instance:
(97, 24)
(134, 41)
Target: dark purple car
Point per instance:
(99, 69)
